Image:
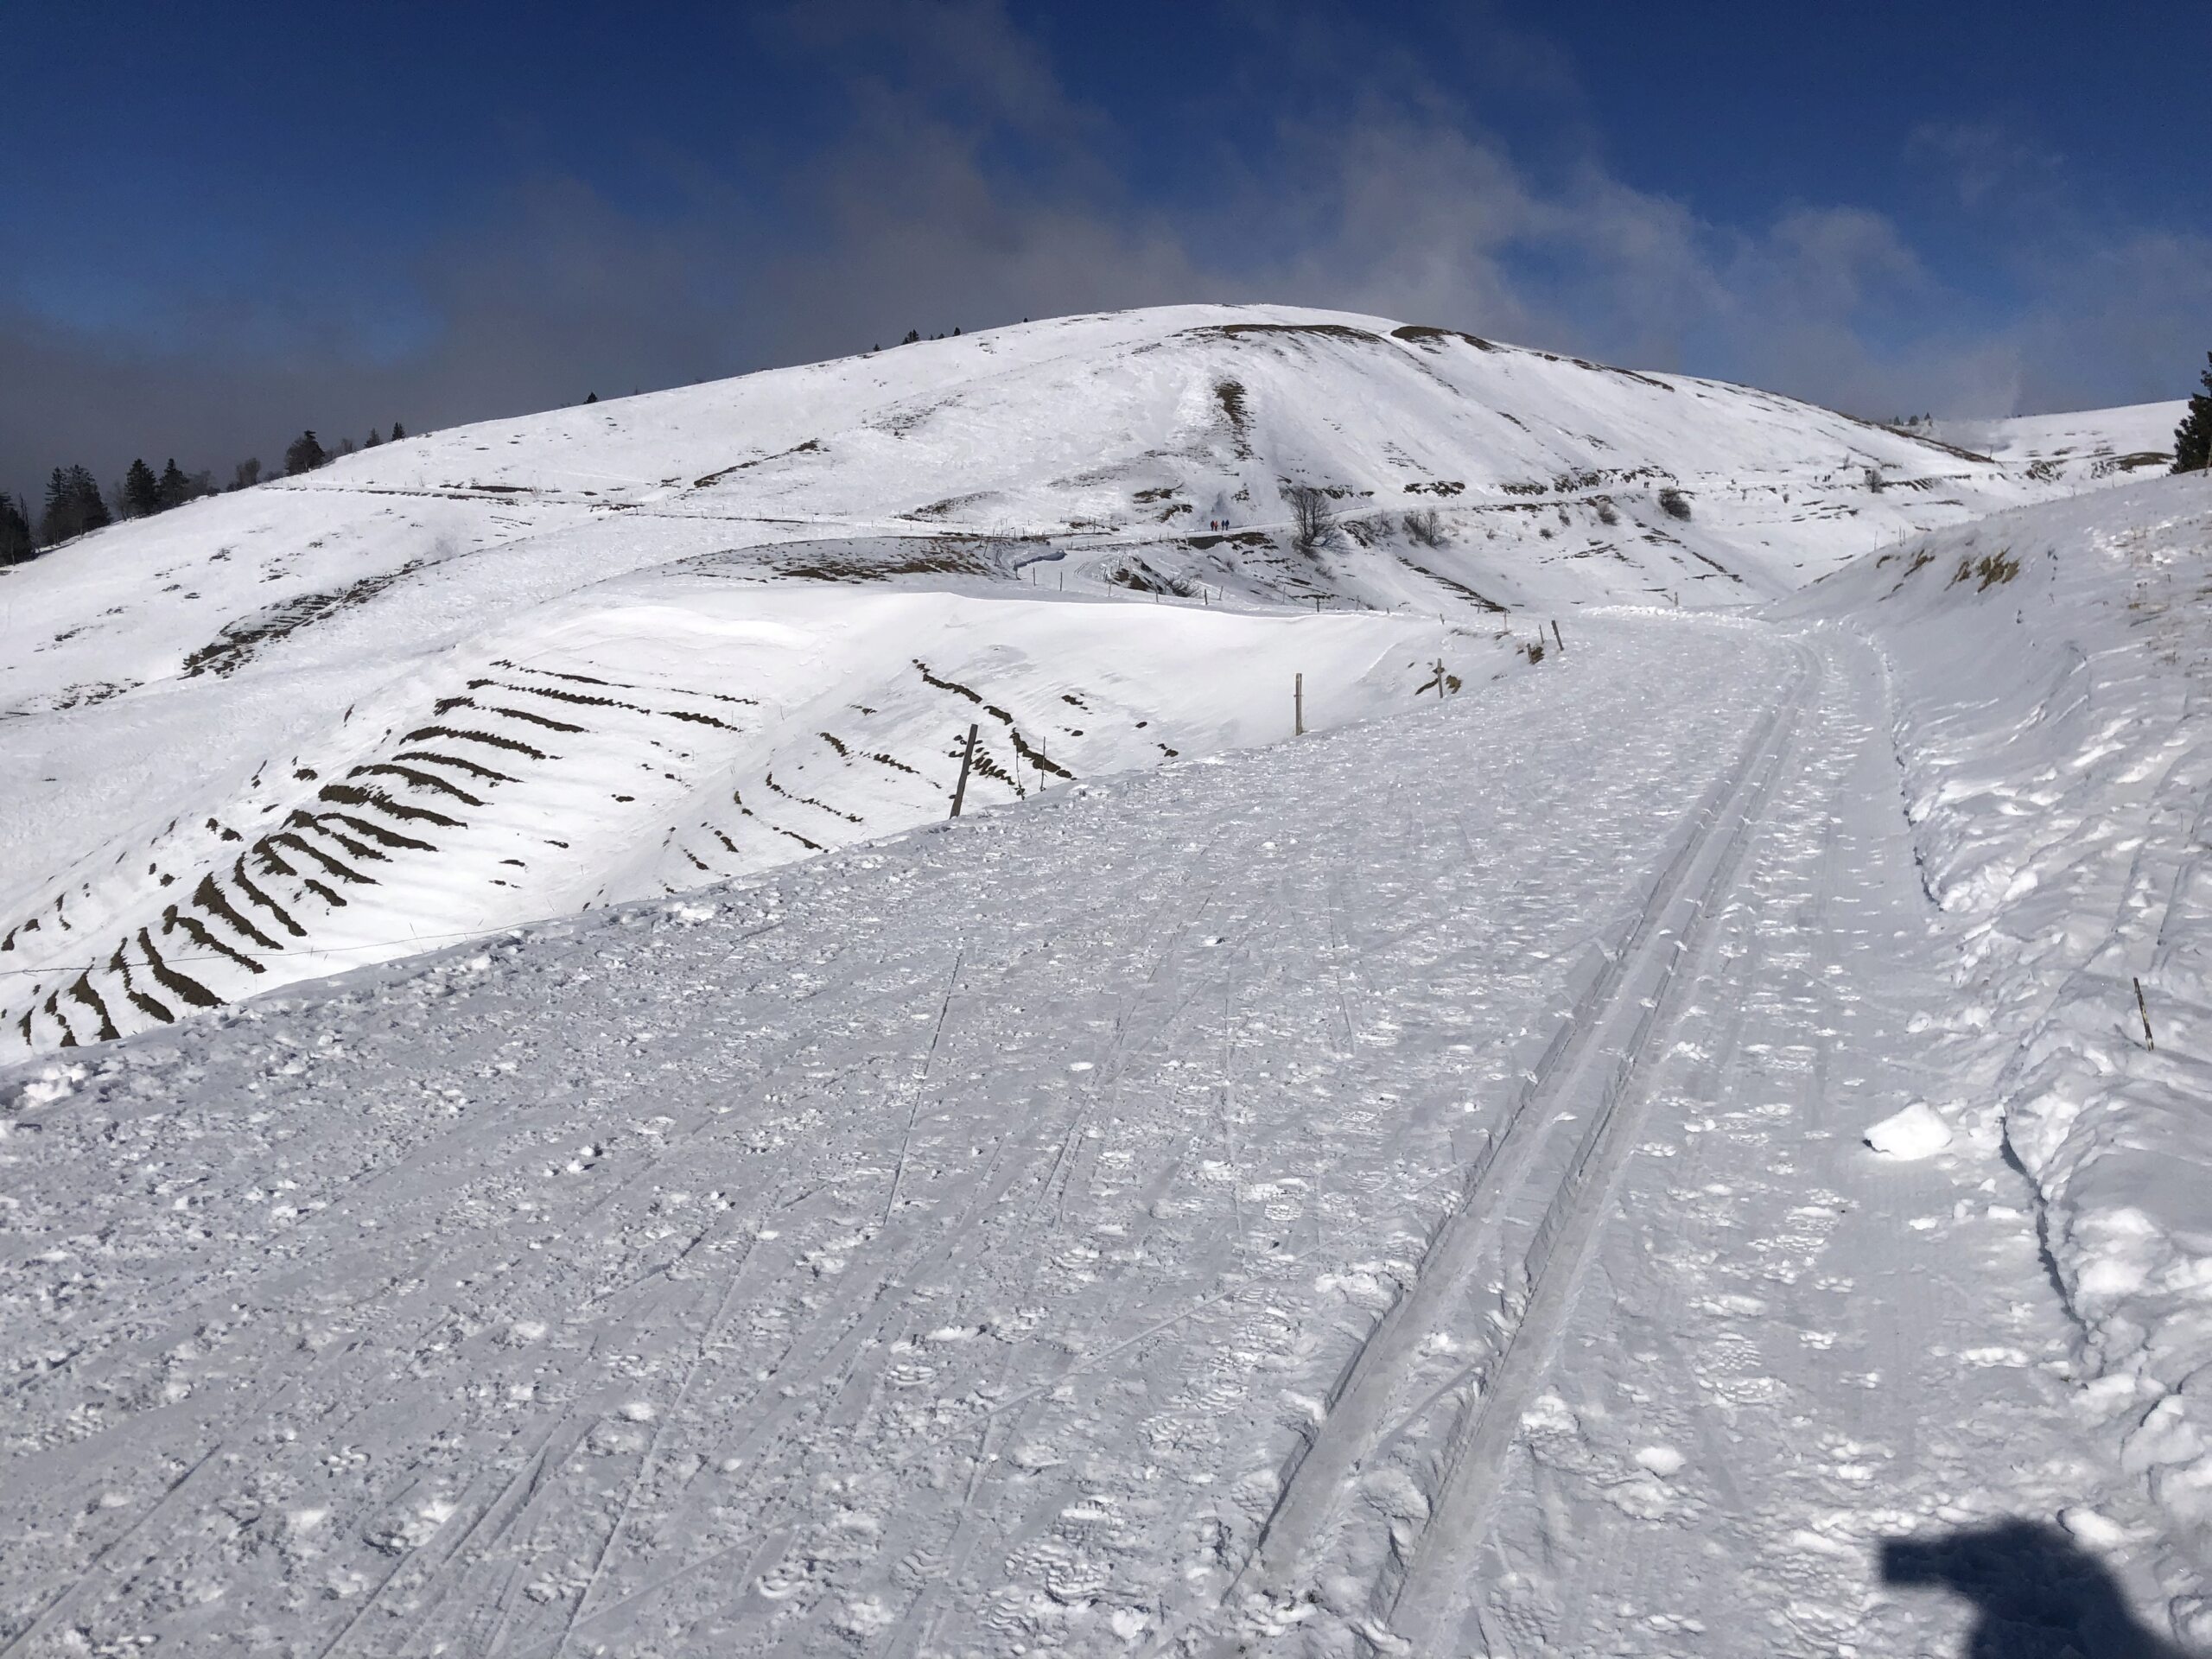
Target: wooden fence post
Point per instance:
(1557, 635)
(967, 759)
(1298, 705)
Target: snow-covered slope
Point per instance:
(500, 672)
(1583, 1165)
(1400, 1191)
(2054, 674)
(2092, 446)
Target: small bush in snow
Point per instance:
(1423, 528)
(1673, 502)
(1991, 568)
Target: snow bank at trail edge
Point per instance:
(2053, 673)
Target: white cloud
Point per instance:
(973, 188)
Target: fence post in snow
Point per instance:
(2143, 1008)
(967, 759)
(1298, 705)
(1557, 635)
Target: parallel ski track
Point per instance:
(1482, 1439)
(1616, 1015)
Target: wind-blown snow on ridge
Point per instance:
(331, 714)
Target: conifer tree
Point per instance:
(397, 431)
(142, 491)
(91, 509)
(373, 440)
(591, 397)
(175, 489)
(303, 455)
(56, 523)
(16, 546)
(73, 505)
(2193, 437)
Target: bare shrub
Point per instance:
(1313, 523)
(1991, 568)
(1673, 502)
(1608, 514)
(1423, 528)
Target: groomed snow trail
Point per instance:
(1388, 1191)
(1790, 1353)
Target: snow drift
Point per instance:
(2051, 670)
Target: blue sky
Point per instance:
(224, 223)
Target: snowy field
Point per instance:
(1656, 1152)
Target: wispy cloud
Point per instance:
(969, 184)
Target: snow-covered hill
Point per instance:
(2087, 448)
(505, 671)
(1589, 1165)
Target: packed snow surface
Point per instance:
(1649, 1145)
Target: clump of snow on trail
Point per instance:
(1918, 1131)
(2053, 669)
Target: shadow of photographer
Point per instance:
(2036, 1593)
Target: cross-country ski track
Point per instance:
(1398, 1191)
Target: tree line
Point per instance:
(76, 505)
